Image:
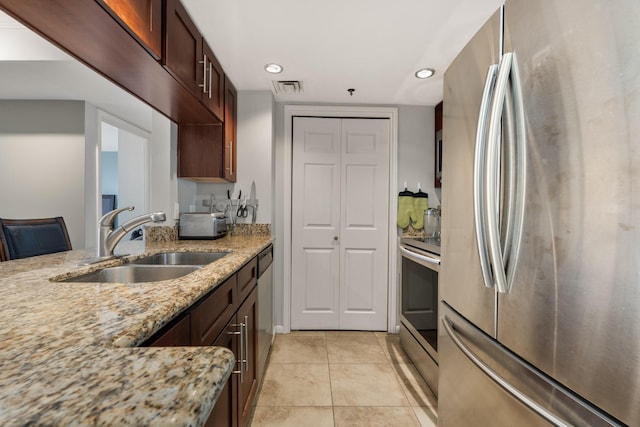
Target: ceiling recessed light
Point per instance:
(425, 73)
(273, 68)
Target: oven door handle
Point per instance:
(420, 257)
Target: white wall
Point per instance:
(42, 162)
(255, 153)
(163, 154)
(133, 175)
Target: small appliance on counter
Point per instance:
(202, 226)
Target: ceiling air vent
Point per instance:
(287, 86)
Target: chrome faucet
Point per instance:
(109, 237)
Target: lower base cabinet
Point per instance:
(225, 412)
(235, 404)
(248, 384)
(223, 319)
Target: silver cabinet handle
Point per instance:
(246, 341)
(210, 74)
(495, 377)
(478, 176)
(492, 177)
(420, 257)
(230, 168)
(204, 74)
(241, 360)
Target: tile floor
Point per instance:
(342, 379)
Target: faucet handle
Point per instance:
(108, 218)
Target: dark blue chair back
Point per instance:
(23, 238)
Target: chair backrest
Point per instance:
(23, 238)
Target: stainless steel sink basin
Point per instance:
(136, 273)
(181, 258)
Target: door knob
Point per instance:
(335, 238)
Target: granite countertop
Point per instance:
(68, 352)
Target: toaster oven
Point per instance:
(202, 226)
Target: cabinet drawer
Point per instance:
(247, 279)
(213, 313)
(176, 336)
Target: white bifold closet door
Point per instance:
(340, 220)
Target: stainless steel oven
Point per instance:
(419, 305)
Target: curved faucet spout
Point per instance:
(109, 237)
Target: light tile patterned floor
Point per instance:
(343, 379)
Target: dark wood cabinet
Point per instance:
(200, 153)
(248, 386)
(210, 316)
(226, 317)
(207, 153)
(142, 19)
(183, 56)
(178, 334)
(213, 93)
(247, 278)
(230, 130)
(235, 404)
(225, 411)
(191, 61)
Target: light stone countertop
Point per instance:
(68, 352)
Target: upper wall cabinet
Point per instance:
(190, 60)
(142, 19)
(213, 89)
(183, 48)
(207, 153)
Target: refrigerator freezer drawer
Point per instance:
(470, 396)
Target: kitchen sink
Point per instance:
(181, 258)
(136, 273)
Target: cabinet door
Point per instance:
(247, 279)
(225, 411)
(176, 336)
(209, 318)
(142, 19)
(183, 56)
(213, 96)
(248, 315)
(230, 114)
(200, 152)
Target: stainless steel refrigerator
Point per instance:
(540, 274)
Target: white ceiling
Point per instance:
(373, 46)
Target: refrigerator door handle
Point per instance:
(479, 175)
(500, 381)
(517, 199)
(492, 177)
